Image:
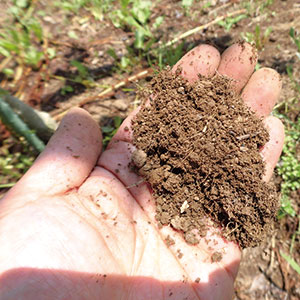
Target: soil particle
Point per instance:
(169, 241)
(198, 147)
(191, 238)
(139, 158)
(216, 257)
(179, 254)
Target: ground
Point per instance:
(107, 57)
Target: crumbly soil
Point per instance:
(198, 147)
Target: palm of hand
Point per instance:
(86, 235)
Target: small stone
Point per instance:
(169, 241)
(184, 207)
(139, 158)
(180, 90)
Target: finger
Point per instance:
(260, 94)
(238, 62)
(125, 132)
(68, 158)
(262, 91)
(203, 60)
(272, 150)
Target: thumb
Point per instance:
(67, 160)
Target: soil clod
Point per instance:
(198, 147)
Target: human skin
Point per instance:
(81, 225)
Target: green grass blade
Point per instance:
(291, 261)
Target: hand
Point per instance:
(78, 226)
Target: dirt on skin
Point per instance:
(198, 147)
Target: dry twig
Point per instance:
(108, 92)
(205, 26)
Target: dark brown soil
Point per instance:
(199, 149)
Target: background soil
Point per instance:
(264, 274)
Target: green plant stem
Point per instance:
(291, 262)
(7, 185)
(30, 117)
(12, 120)
(201, 27)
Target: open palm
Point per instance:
(80, 226)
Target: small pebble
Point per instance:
(139, 158)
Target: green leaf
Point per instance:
(14, 10)
(15, 36)
(117, 18)
(97, 13)
(139, 39)
(66, 89)
(124, 4)
(291, 261)
(73, 35)
(4, 52)
(257, 31)
(8, 72)
(41, 13)
(112, 53)
(33, 57)
(107, 129)
(158, 21)
(22, 3)
(82, 70)
(295, 39)
(292, 32)
(257, 66)
(143, 30)
(222, 23)
(117, 122)
(9, 46)
(286, 207)
(25, 39)
(187, 3)
(125, 61)
(268, 31)
(51, 52)
(35, 26)
(141, 10)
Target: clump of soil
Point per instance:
(198, 147)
